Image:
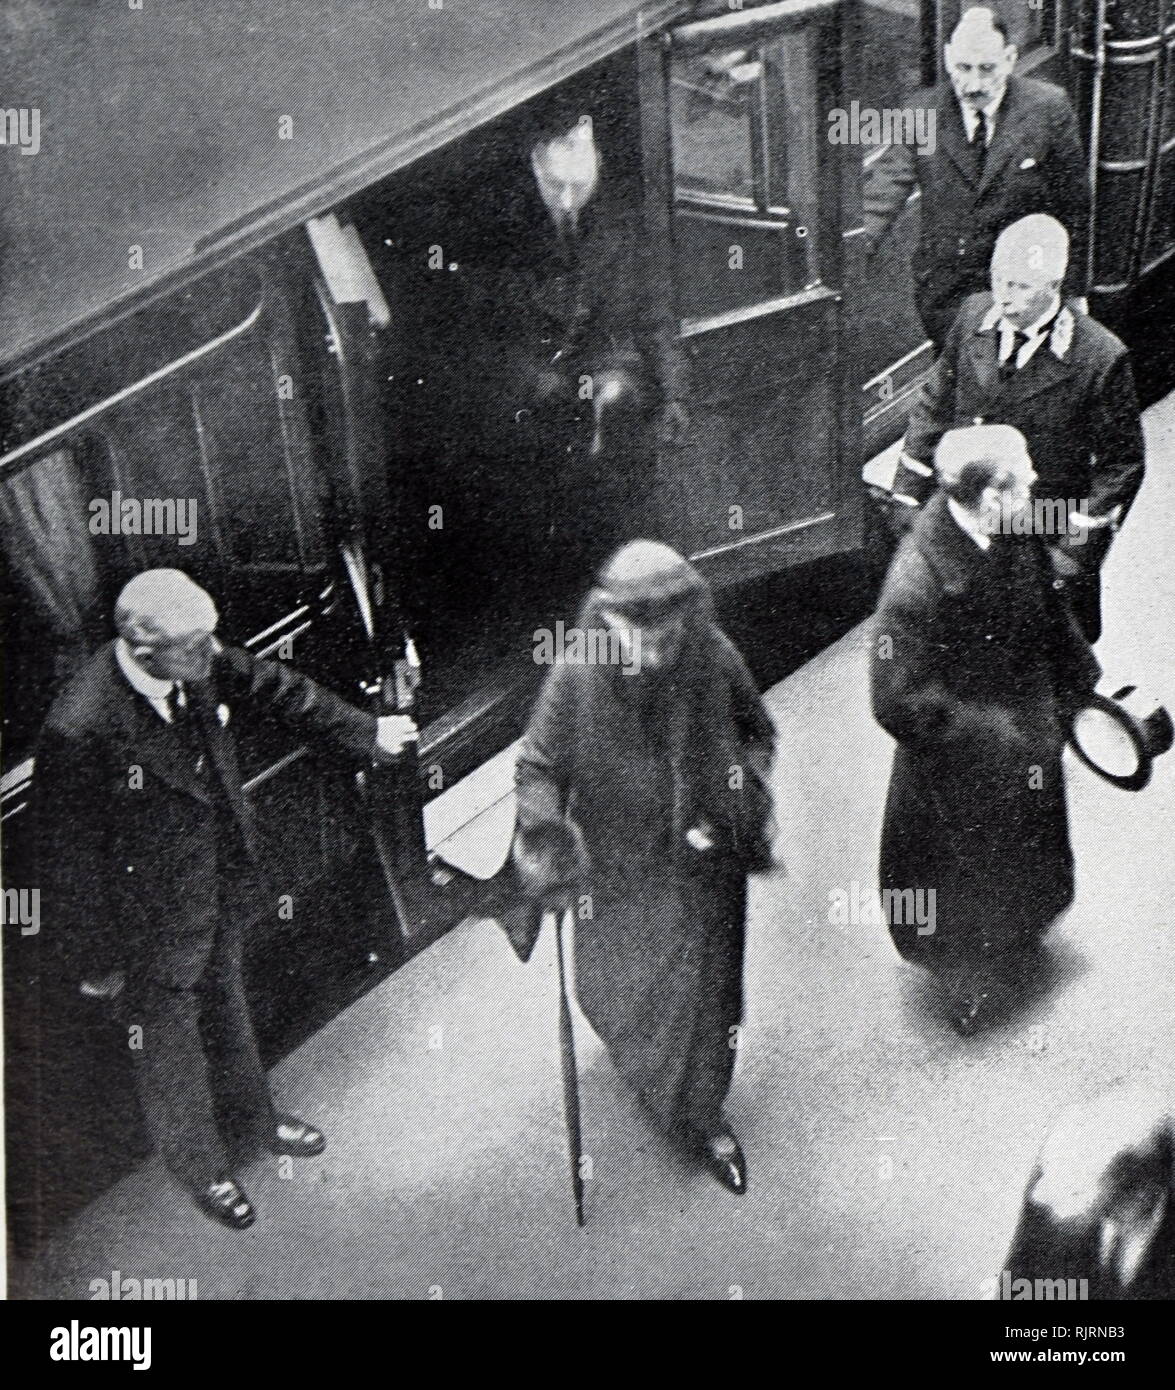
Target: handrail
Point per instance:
(100, 407)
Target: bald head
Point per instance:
(1036, 245)
(1108, 1156)
(1028, 267)
(167, 621)
(986, 469)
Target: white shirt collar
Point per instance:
(968, 524)
(1034, 334)
(971, 116)
(152, 689)
(142, 681)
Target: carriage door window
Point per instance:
(754, 196)
(744, 123)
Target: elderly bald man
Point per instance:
(1019, 356)
(147, 848)
(976, 667)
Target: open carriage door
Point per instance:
(355, 315)
(746, 199)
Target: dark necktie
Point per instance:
(187, 727)
(177, 710)
(979, 143)
(234, 824)
(1008, 367)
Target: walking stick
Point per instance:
(570, 1072)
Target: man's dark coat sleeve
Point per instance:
(75, 858)
(932, 415)
(1116, 440)
(277, 692)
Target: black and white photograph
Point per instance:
(588, 660)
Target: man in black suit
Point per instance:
(148, 847)
(1004, 147)
(1019, 356)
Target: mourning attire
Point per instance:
(1072, 399)
(149, 855)
(976, 665)
(663, 776)
(974, 183)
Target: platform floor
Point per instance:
(887, 1156)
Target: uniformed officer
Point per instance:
(1019, 356)
(1003, 147)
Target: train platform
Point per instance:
(887, 1156)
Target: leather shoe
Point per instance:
(724, 1159)
(225, 1202)
(296, 1138)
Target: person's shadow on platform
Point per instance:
(1037, 977)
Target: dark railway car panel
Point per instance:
(757, 198)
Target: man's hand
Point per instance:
(673, 426)
(394, 731)
(106, 987)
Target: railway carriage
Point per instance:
(247, 295)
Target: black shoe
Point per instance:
(296, 1138)
(722, 1157)
(225, 1202)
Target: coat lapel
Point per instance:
(953, 134)
(1042, 373)
(223, 755)
(952, 555)
(1006, 141)
(149, 740)
(984, 351)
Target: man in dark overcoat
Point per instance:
(546, 373)
(571, 371)
(658, 764)
(149, 856)
(976, 667)
(1003, 147)
(1019, 356)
